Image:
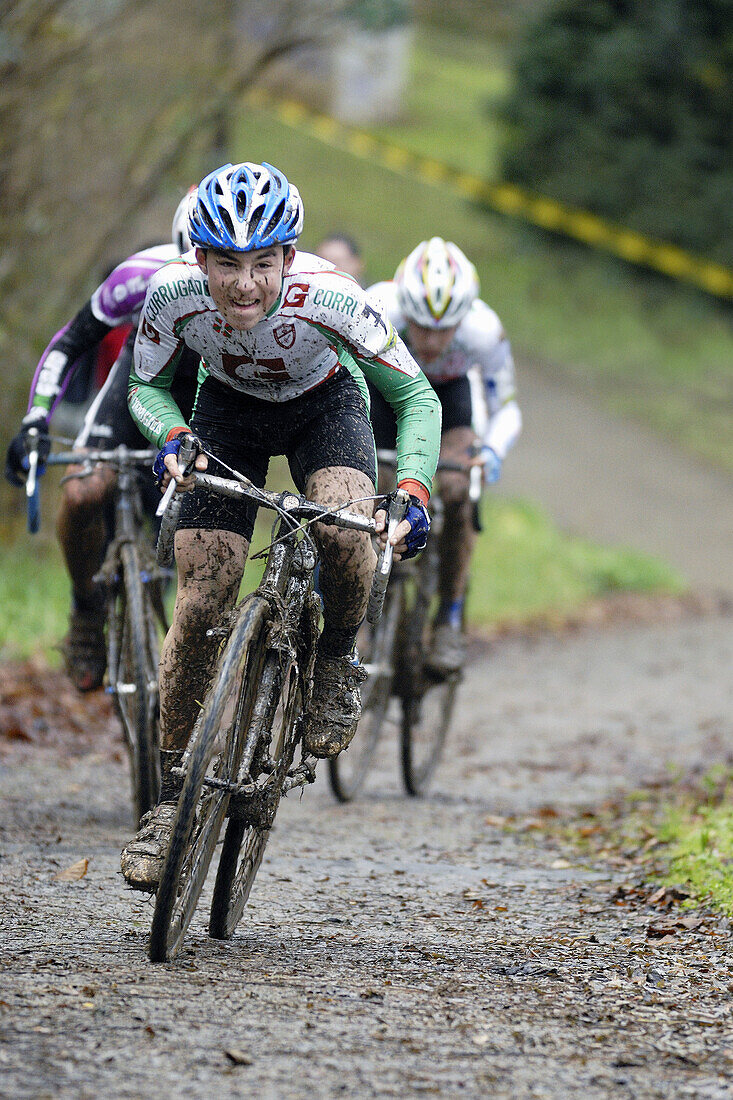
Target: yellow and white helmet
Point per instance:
(436, 284)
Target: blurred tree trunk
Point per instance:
(109, 109)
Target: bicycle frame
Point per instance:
(130, 581)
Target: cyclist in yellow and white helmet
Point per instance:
(463, 350)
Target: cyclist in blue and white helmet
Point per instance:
(246, 210)
(285, 342)
(245, 206)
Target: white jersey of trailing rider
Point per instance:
(479, 349)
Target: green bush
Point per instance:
(625, 108)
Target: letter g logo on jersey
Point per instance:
(296, 294)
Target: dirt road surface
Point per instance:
(400, 948)
(392, 947)
(618, 483)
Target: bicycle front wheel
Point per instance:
(134, 678)
(269, 715)
(348, 770)
(212, 767)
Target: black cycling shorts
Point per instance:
(326, 426)
(455, 399)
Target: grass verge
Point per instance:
(698, 847)
(679, 835)
(649, 348)
(524, 570)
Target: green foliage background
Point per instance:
(625, 108)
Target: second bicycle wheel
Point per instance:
(270, 724)
(426, 718)
(133, 673)
(348, 770)
(427, 701)
(212, 767)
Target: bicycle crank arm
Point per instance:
(300, 776)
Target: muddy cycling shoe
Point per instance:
(84, 650)
(448, 650)
(335, 706)
(142, 859)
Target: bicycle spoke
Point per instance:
(274, 709)
(215, 752)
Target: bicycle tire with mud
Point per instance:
(202, 808)
(137, 676)
(427, 701)
(274, 700)
(348, 770)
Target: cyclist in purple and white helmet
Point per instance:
(286, 341)
(80, 525)
(461, 346)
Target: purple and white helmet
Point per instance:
(436, 284)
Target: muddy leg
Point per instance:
(458, 538)
(82, 532)
(347, 557)
(210, 566)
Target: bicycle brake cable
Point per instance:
(315, 519)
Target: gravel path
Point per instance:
(617, 483)
(392, 947)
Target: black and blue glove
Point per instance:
(172, 447)
(16, 459)
(419, 520)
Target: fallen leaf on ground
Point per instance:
(238, 1056)
(75, 871)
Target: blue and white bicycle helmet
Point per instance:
(436, 284)
(241, 207)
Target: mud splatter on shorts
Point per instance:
(327, 426)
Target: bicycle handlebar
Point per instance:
(475, 478)
(296, 506)
(389, 458)
(33, 499)
(120, 456)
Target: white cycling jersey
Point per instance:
(322, 322)
(479, 349)
(319, 312)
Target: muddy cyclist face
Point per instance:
(245, 285)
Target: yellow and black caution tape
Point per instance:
(507, 199)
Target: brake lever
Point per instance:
(186, 457)
(395, 514)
